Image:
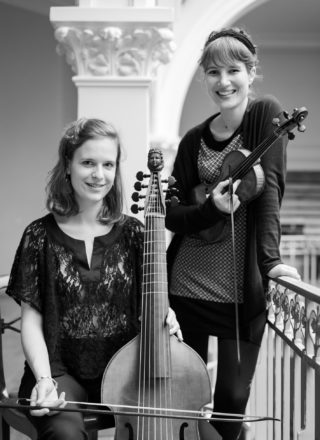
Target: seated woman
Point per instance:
(77, 276)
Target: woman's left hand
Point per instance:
(284, 270)
(174, 327)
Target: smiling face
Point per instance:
(229, 85)
(92, 170)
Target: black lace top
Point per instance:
(88, 312)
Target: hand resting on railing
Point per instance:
(284, 270)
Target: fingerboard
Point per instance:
(154, 332)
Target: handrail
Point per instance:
(294, 312)
(288, 369)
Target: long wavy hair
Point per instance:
(60, 194)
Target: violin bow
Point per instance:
(206, 415)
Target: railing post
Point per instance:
(293, 361)
(286, 368)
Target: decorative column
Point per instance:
(115, 48)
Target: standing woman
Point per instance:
(77, 276)
(201, 273)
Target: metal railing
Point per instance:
(287, 379)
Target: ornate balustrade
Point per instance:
(287, 381)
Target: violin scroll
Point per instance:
(296, 120)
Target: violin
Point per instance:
(244, 164)
(156, 373)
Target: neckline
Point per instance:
(229, 138)
(78, 246)
(211, 141)
(69, 237)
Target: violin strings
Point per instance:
(246, 164)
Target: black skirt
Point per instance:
(216, 319)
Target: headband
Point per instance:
(240, 36)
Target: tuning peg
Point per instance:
(291, 135)
(170, 181)
(140, 175)
(276, 122)
(136, 197)
(135, 209)
(174, 201)
(138, 186)
(301, 127)
(173, 191)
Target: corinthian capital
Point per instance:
(114, 50)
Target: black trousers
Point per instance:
(233, 382)
(65, 425)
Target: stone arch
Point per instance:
(172, 86)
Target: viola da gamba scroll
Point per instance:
(158, 376)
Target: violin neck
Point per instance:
(154, 333)
(244, 167)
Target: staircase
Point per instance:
(300, 211)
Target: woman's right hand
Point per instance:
(44, 393)
(221, 197)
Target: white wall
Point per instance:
(37, 98)
(293, 77)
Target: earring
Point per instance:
(68, 183)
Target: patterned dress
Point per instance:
(88, 312)
(201, 284)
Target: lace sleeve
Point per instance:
(24, 277)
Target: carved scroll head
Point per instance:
(155, 160)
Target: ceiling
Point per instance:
(290, 20)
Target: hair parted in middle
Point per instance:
(60, 195)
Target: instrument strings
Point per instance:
(256, 153)
(155, 364)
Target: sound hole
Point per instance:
(127, 425)
(182, 428)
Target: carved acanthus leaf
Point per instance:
(113, 51)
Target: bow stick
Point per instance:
(202, 415)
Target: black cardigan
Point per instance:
(263, 223)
